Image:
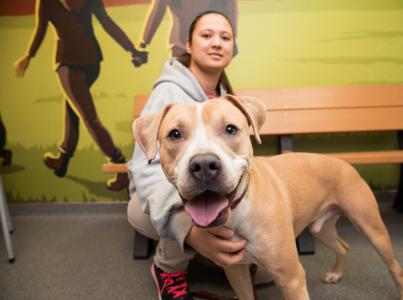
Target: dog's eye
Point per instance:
(231, 129)
(174, 134)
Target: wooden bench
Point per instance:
(336, 109)
(316, 110)
(369, 108)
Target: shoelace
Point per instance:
(175, 283)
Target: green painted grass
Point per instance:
(84, 181)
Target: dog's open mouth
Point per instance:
(208, 209)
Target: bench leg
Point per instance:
(398, 204)
(142, 246)
(305, 243)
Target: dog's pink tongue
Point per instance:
(205, 208)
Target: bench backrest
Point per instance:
(325, 109)
(331, 109)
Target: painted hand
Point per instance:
(139, 57)
(21, 65)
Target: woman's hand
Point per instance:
(215, 244)
(21, 66)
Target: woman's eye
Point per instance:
(174, 134)
(231, 129)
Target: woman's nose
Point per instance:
(216, 41)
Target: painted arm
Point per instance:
(111, 27)
(154, 18)
(233, 16)
(41, 24)
(120, 37)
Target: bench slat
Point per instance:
(325, 109)
(316, 97)
(371, 157)
(329, 97)
(114, 168)
(139, 103)
(333, 120)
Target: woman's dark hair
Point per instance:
(185, 57)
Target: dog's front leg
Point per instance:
(279, 256)
(292, 283)
(240, 280)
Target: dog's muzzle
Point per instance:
(210, 204)
(205, 167)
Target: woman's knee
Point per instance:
(140, 220)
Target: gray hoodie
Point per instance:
(158, 197)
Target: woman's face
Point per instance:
(212, 43)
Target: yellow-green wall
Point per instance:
(281, 44)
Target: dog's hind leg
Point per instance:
(365, 216)
(327, 234)
(240, 280)
(374, 229)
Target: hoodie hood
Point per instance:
(176, 73)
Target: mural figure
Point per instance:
(6, 154)
(78, 57)
(183, 13)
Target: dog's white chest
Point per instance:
(239, 221)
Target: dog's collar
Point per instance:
(238, 200)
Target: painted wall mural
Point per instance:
(71, 68)
(77, 65)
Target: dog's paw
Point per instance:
(332, 277)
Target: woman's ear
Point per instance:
(188, 48)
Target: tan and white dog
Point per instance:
(206, 153)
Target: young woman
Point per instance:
(155, 208)
(78, 58)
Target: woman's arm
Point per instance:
(158, 197)
(215, 244)
(162, 202)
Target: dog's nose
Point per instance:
(204, 167)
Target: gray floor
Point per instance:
(85, 253)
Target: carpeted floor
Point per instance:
(85, 252)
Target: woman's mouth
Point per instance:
(215, 55)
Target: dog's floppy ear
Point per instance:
(145, 131)
(254, 110)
